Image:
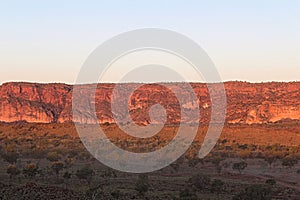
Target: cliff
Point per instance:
(247, 103)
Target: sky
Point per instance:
(48, 41)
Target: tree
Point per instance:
(142, 184)
(30, 170)
(216, 161)
(67, 175)
(272, 156)
(13, 171)
(289, 161)
(240, 166)
(200, 181)
(57, 166)
(85, 173)
(270, 159)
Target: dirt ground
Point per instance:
(36, 143)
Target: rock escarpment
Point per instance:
(247, 103)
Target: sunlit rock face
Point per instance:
(262, 102)
(32, 102)
(247, 103)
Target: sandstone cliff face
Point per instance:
(32, 102)
(262, 102)
(246, 102)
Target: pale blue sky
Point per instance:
(47, 41)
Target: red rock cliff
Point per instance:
(246, 102)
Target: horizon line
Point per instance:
(133, 82)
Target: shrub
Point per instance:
(115, 194)
(69, 162)
(109, 174)
(95, 193)
(240, 166)
(142, 184)
(10, 157)
(30, 170)
(187, 194)
(289, 161)
(271, 182)
(85, 173)
(257, 192)
(67, 175)
(217, 185)
(57, 166)
(200, 181)
(13, 171)
(53, 156)
(216, 161)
